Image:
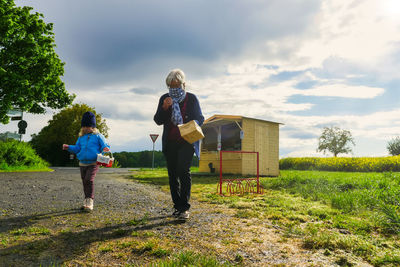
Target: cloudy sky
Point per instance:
(305, 63)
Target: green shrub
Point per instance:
(19, 154)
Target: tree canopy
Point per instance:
(335, 140)
(63, 128)
(30, 69)
(393, 146)
(143, 159)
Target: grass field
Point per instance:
(25, 169)
(356, 213)
(351, 218)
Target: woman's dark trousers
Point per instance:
(179, 157)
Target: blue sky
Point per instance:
(305, 63)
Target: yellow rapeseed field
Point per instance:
(355, 164)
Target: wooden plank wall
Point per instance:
(261, 145)
(273, 143)
(232, 162)
(264, 138)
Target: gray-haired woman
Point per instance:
(174, 108)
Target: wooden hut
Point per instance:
(238, 133)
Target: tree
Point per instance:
(63, 128)
(335, 140)
(144, 159)
(393, 146)
(30, 69)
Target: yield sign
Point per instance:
(153, 137)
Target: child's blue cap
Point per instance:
(88, 120)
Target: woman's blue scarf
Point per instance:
(177, 95)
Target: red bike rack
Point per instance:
(239, 186)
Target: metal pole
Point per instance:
(220, 172)
(152, 164)
(22, 117)
(258, 175)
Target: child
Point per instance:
(89, 144)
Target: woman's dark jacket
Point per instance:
(193, 112)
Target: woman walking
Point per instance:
(174, 108)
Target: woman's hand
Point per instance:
(65, 147)
(167, 103)
(106, 149)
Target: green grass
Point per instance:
(352, 193)
(106, 248)
(141, 221)
(358, 213)
(25, 169)
(189, 258)
(31, 230)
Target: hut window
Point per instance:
(230, 138)
(209, 142)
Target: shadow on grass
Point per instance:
(56, 249)
(8, 224)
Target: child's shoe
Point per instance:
(84, 204)
(89, 204)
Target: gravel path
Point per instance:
(53, 199)
(24, 194)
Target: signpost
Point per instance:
(22, 126)
(16, 114)
(14, 111)
(153, 138)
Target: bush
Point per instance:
(19, 154)
(378, 164)
(393, 146)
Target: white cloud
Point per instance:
(391, 9)
(343, 90)
(364, 33)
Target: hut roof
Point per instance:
(217, 120)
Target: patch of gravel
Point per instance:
(29, 198)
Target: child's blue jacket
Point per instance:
(88, 146)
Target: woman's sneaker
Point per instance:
(89, 204)
(184, 215)
(176, 213)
